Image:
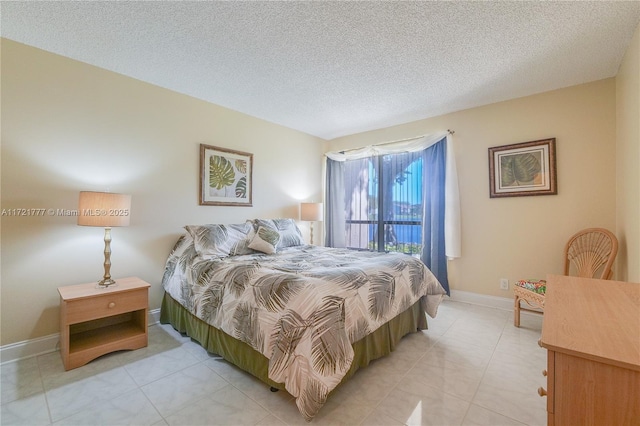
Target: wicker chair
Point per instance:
(589, 254)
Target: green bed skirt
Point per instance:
(376, 345)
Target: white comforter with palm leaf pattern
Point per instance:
(303, 307)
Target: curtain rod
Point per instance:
(451, 132)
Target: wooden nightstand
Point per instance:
(96, 321)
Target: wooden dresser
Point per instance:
(591, 329)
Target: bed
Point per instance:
(299, 317)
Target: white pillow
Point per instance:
(265, 240)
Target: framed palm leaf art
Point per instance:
(527, 168)
(225, 177)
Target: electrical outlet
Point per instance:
(504, 284)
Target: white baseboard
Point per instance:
(44, 345)
(154, 317)
(497, 302)
(29, 348)
(482, 300)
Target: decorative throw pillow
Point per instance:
(290, 234)
(242, 245)
(265, 240)
(220, 240)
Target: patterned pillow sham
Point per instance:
(290, 234)
(216, 240)
(265, 240)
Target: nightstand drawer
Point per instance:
(109, 304)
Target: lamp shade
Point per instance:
(311, 212)
(104, 209)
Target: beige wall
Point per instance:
(523, 237)
(628, 162)
(68, 126)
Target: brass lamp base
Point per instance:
(106, 280)
(106, 283)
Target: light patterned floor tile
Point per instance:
(173, 392)
(271, 421)
(457, 352)
(337, 413)
(368, 386)
(475, 333)
(377, 418)
(131, 408)
(73, 397)
(283, 407)
(227, 406)
(160, 365)
(479, 416)
(459, 380)
(513, 396)
(19, 379)
(430, 407)
(30, 411)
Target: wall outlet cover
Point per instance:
(504, 284)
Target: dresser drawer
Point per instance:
(109, 304)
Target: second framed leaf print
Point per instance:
(527, 168)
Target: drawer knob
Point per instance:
(544, 373)
(542, 391)
(112, 305)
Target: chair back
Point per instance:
(591, 253)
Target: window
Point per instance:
(383, 203)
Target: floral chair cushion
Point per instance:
(537, 286)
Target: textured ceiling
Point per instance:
(336, 68)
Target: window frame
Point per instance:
(380, 222)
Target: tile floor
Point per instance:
(472, 367)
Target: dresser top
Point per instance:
(593, 319)
(81, 291)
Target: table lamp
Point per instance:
(311, 212)
(104, 209)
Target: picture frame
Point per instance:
(523, 169)
(226, 177)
